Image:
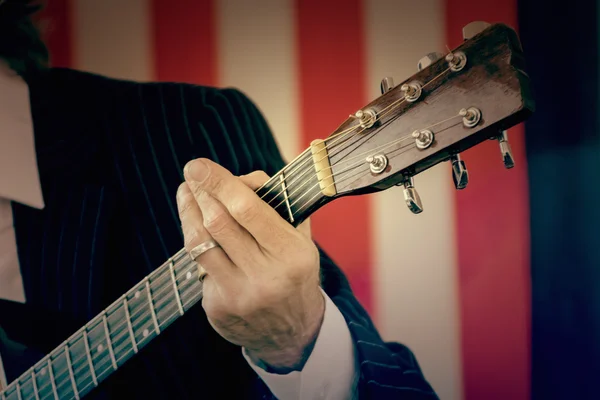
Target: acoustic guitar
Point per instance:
(455, 101)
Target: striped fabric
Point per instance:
(452, 283)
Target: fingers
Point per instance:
(246, 208)
(236, 241)
(255, 179)
(214, 261)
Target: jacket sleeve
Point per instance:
(387, 370)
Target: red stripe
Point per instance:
(56, 24)
(493, 247)
(184, 41)
(331, 45)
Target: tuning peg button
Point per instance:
(411, 197)
(460, 174)
(387, 84)
(505, 150)
(429, 59)
(473, 28)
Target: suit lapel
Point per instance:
(61, 247)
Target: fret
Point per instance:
(141, 321)
(51, 374)
(129, 327)
(34, 383)
(294, 192)
(71, 374)
(101, 357)
(89, 357)
(25, 382)
(42, 380)
(122, 338)
(109, 343)
(175, 289)
(79, 361)
(285, 195)
(187, 282)
(156, 327)
(18, 390)
(61, 374)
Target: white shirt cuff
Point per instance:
(331, 370)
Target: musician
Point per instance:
(102, 180)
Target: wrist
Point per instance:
(298, 349)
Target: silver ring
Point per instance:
(202, 248)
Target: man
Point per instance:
(101, 181)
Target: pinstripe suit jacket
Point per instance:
(110, 155)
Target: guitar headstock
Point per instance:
(454, 102)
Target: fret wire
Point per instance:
(285, 195)
(119, 327)
(52, 378)
(70, 367)
(109, 342)
(179, 305)
(152, 307)
(85, 338)
(35, 388)
(194, 298)
(89, 357)
(128, 317)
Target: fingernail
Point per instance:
(186, 169)
(196, 170)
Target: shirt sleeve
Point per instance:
(331, 371)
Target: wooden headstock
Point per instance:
(472, 94)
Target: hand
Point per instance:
(262, 288)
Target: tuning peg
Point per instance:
(429, 59)
(413, 201)
(507, 157)
(474, 28)
(387, 84)
(460, 174)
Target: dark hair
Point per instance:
(21, 44)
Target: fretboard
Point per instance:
(294, 192)
(110, 339)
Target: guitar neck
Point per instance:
(110, 339)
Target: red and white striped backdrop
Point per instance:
(452, 282)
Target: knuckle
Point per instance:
(184, 207)
(216, 223)
(244, 210)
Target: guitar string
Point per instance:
(105, 364)
(120, 332)
(382, 114)
(82, 361)
(118, 337)
(349, 130)
(94, 322)
(290, 188)
(382, 147)
(161, 306)
(158, 299)
(156, 296)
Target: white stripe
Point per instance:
(112, 37)
(257, 55)
(415, 275)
